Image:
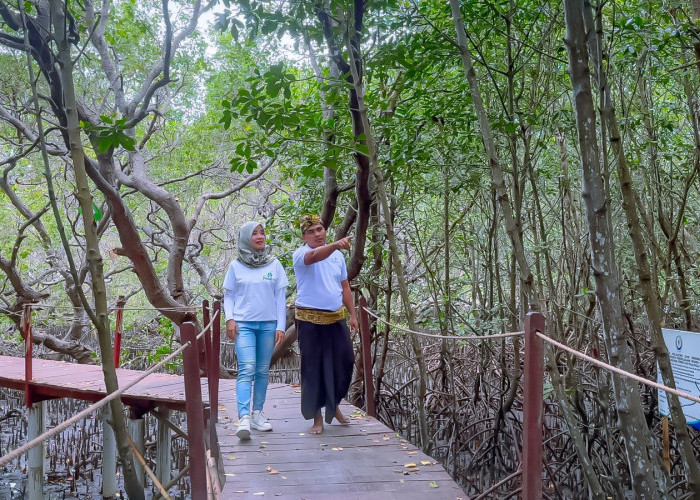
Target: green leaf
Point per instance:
(250, 166)
(96, 212)
(362, 149)
(127, 142)
(104, 144)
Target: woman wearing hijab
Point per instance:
(254, 305)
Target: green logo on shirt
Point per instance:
(267, 276)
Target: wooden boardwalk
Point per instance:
(364, 459)
(59, 379)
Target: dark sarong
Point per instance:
(327, 359)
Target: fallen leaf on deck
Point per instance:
(283, 477)
(273, 472)
(337, 449)
(230, 474)
(433, 484)
(425, 462)
(302, 434)
(265, 442)
(386, 438)
(408, 466)
(412, 452)
(232, 457)
(259, 494)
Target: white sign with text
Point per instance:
(684, 350)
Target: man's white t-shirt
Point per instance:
(318, 284)
(256, 293)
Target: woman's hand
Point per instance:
(279, 337)
(231, 329)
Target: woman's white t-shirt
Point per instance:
(256, 293)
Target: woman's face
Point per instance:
(258, 238)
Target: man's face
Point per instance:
(315, 235)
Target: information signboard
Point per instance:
(684, 350)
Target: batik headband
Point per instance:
(309, 220)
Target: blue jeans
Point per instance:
(254, 345)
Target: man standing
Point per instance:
(323, 300)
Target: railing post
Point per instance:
(109, 455)
(118, 328)
(215, 360)
(26, 328)
(109, 440)
(366, 343)
(533, 407)
(207, 337)
(35, 457)
(195, 413)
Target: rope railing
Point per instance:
(5, 459)
(454, 337)
(619, 371)
(37, 305)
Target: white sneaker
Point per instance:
(243, 431)
(259, 422)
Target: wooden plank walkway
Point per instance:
(59, 379)
(364, 459)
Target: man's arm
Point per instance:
(349, 304)
(323, 252)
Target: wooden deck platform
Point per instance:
(364, 459)
(59, 379)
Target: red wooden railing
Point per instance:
(195, 414)
(118, 329)
(193, 391)
(28, 342)
(533, 407)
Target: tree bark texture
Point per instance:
(646, 284)
(647, 481)
(132, 484)
(497, 177)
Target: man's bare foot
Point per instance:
(317, 428)
(340, 417)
